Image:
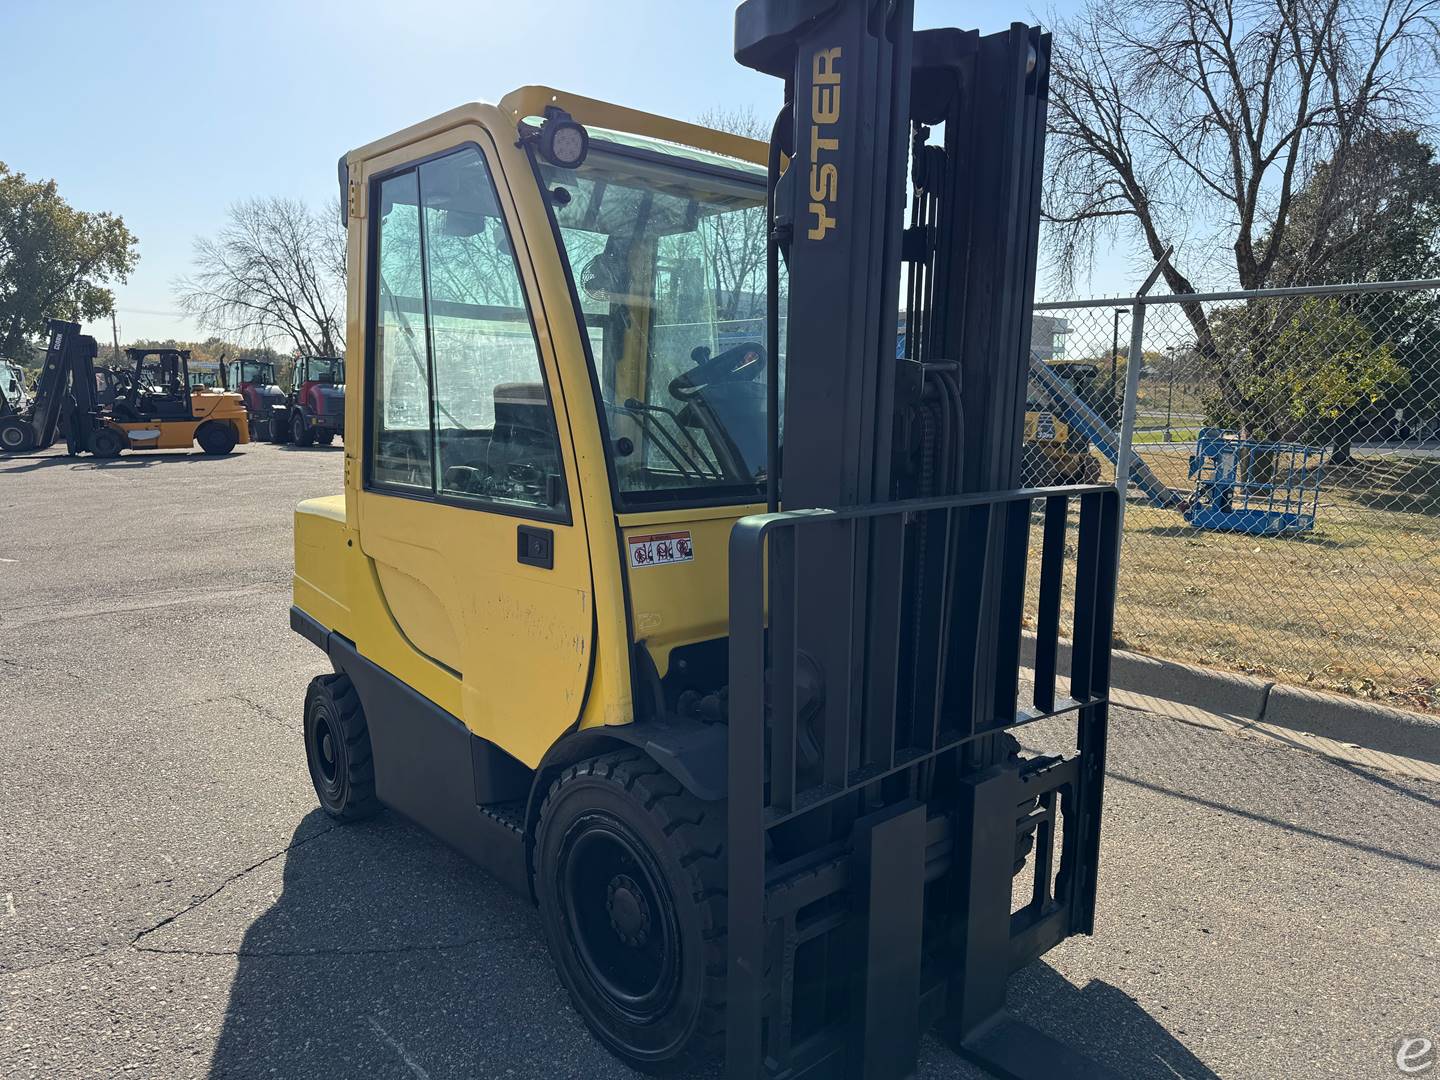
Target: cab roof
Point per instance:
(528, 103)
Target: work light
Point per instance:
(563, 142)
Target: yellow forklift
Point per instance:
(149, 405)
(675, 598)
(159, 405)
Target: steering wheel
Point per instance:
(740, 363)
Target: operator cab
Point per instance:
(158, 386)
(246, 372)
(325, 370)
(666, 250)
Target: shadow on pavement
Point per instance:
(372, 950)
(138, 460)
(1104, 1023)
(1288, 826)
(378, 952)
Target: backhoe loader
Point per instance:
(663, 589)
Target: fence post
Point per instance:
(1132, 389)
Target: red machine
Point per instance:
(314, 410)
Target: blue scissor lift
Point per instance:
(1255, 487)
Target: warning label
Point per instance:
(657, 549)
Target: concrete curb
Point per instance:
(1364, 723)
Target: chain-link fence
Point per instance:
(1283, 510)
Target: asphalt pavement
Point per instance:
(173, 903)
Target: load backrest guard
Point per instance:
(879, 804)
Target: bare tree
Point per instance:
(1197, 122)
(274, 273)
(736, 251)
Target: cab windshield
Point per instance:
(325, 369)
(668, 258)
(250, 371)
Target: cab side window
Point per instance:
(460, 408)
(400, 374)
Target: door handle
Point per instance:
(535, 546)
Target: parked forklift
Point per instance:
(148, 405)
(158, 407)
(313, 412)
(736, 711)
(258, 387)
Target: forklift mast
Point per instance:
(68, 376)
(875, 624)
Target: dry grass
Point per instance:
(1353, 606)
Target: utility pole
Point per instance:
(115, 336)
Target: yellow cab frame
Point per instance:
(481, 673)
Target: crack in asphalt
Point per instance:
(59, 960)
(241, 699)
(135, 943)
(286, 954)
(17, 619)
(268, 714)
(196, 901)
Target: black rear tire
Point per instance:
(337, 749)
(301, 434)
(217, 437)
(15, 435)
(630, 875)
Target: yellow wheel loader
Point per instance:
(1054, 454)
(661, 588)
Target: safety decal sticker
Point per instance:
(657, 549)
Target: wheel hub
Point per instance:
(629, 912)
(327, 754)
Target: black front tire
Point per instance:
(217, 438)
(301, 434)
(337, 749)
(107, 443)
(630, 875)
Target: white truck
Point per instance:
(13, 397)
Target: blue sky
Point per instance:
(167, 112)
